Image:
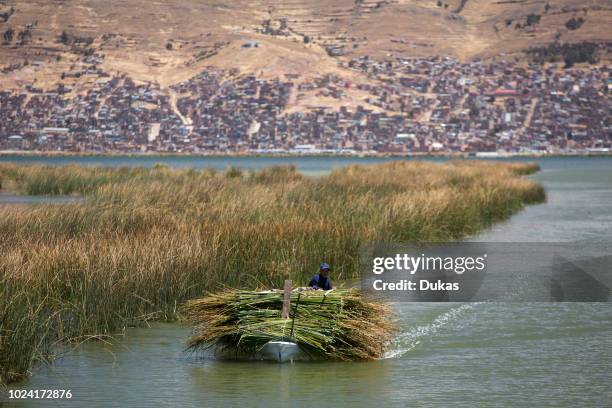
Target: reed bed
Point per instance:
(337, 324)
(145, 240)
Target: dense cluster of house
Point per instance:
(494, 106)
(410, 106)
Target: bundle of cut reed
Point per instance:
(337, 324)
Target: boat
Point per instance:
(281, 352)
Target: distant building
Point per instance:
(55, 130)
(305, 148)
(504, 93)
(250, 44)
(153, 132)
(15, 141)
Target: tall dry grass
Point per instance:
(145, 240)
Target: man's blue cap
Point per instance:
(324, 266)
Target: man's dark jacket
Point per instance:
(320, 282)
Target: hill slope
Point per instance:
(170, 41)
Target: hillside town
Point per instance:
(408, 106)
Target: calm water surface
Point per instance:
(7, 198)
(460, 355)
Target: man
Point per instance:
(321, 281)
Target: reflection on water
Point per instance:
(460, 355)
(271, 383)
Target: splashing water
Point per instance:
(408, 340)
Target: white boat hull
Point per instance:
(281, 351)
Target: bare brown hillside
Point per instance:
(170, 41)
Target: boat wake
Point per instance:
(408, 340)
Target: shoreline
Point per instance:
(476, 155)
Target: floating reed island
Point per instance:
(337, 324)
(145, 240)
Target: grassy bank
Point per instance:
(145, 240)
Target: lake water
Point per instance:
(310, 165)
(460, 355)
(19, 199)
